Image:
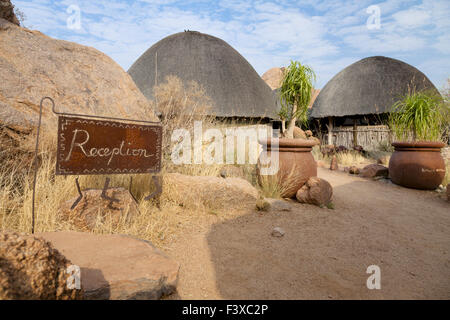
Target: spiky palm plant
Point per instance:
(423, 114)
(295, 95)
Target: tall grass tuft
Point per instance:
(179, 105)
(419, 116)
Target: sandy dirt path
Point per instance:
(324, 253)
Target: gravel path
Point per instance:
(325, 253)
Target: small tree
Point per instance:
(295, 95)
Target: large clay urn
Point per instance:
(417, 165)
(295, 162)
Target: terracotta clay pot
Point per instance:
(295, 162)
(417, 165)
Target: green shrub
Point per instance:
(295, 95)
(419, 116)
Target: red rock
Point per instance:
(279, 205)
(374, 170)
(315, 191)
(31, 268)
(383, 160)
(299, 133)
(117, 267)
(93, 208)
(207, 191)
(7, 12)
(353, 170)
(273, 77)
(317, 140)
(341, 149)
(36, 66)
(230, 171)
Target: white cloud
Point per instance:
(443, 44)
(326, 34)
(412, 18)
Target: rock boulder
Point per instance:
(299, 133)
(279, 205)
(207, 191)
(262, 205)
(273, 77)
(80, 79)
(278, 232)
(93, 209)
(374, 170)
(353, 170)
(384, 160)
(317, 140)
(341, 149)
(7, 12)
(31, 268)
(315, 191)
(117, 267)
(229, 171)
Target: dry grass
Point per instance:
(447, 173)
(349, 158)
(271, 186)
(180, 105)
(158, 226)
(277, 186)
(316, 153)
(183, 104)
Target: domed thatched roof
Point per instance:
(234, 87)
(369, 86)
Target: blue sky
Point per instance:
(327, 35)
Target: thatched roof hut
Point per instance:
(235, 88)
(364, 92)
(369, 86)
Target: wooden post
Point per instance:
(319, 131)
(355, 133)
(330, 130)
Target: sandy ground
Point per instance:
(324, 253)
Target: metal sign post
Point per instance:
(100, 145)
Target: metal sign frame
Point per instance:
(92, 146)
(156, 179)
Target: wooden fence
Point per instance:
(369, 137)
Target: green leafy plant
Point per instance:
(419, 116)
(295, 95)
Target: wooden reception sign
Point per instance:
(90, 146)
